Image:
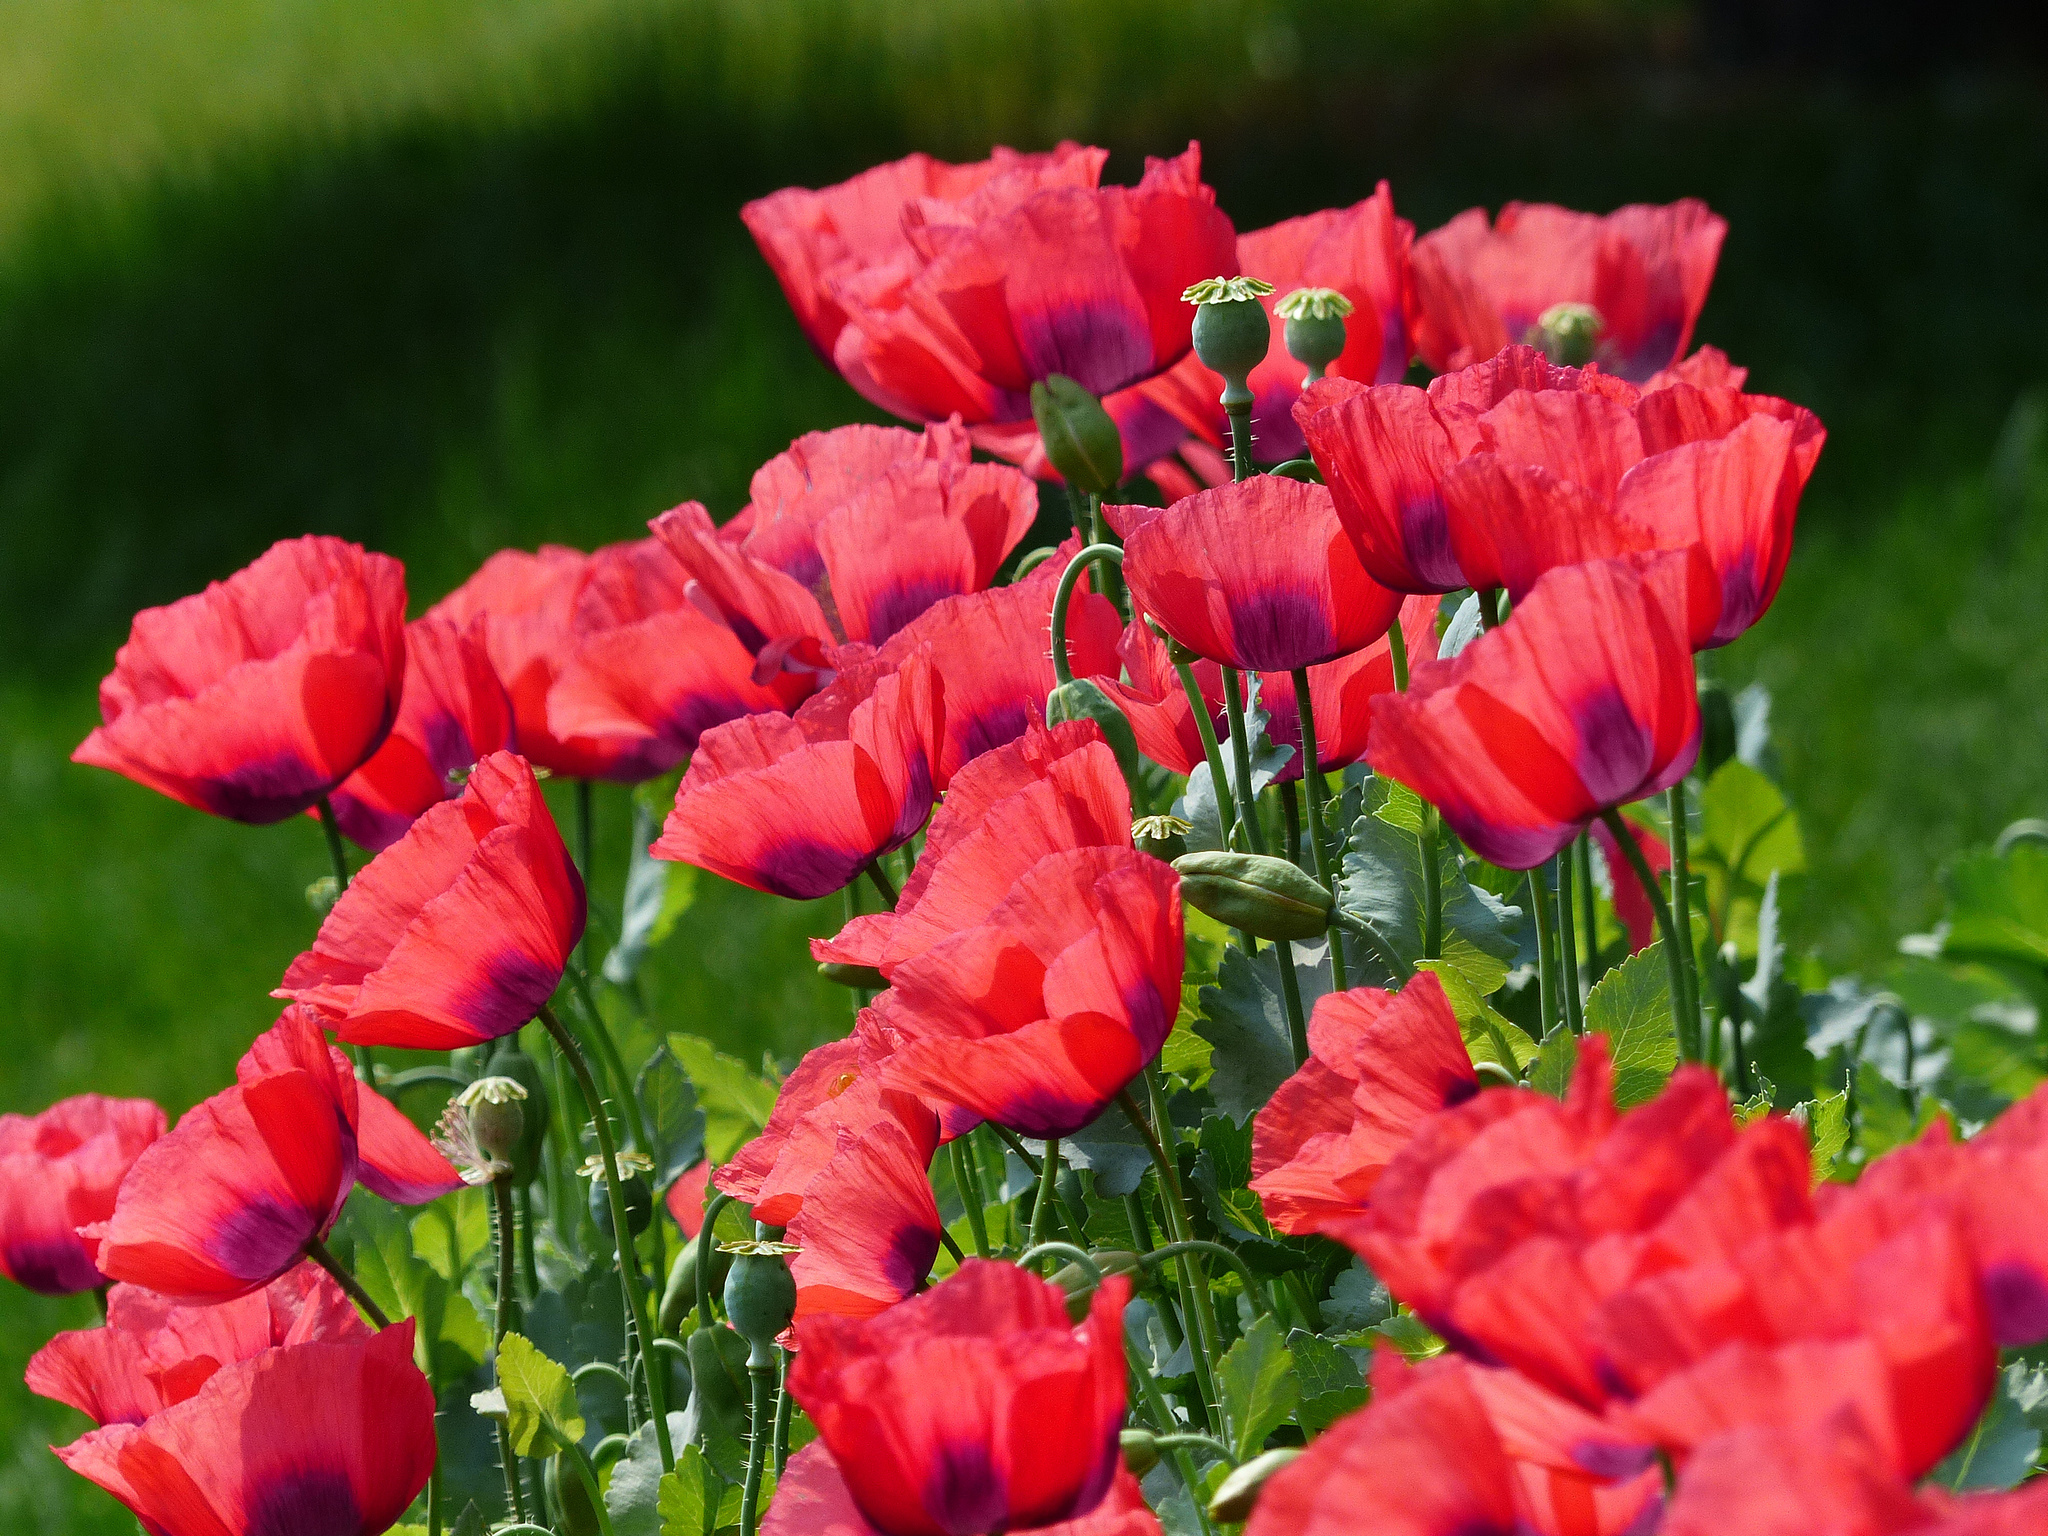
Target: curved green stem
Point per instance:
(1180, 1228)
(969, 1187)
(1202, 1245)
(1688, 1041)
(1568, 945)
(419, 1077)
(1681, 906)
(760, 1433)
(588, 1473)
(704, 1240)
(1312, 779)
(622, 1233)
(1080, 1256)
(1063, 597)
(1154, 1398)
(317, 1252)
(1241, 759)
(1205, 1442)
(1546, 951)
(1226, 804)
(601, 1368)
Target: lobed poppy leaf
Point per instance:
(675, 1120)
(1488, 1034)
(1631, 1006)
(1257, 1381)
(1748, 827)
(1998, 906)
(1245, 1022)
(1383, 884)
(453, 1233)
(1827, 1127)
(1331, 1384)
(541, 1414)
(693, 1499)
(1109, 1147)
(716, 1420)
(1358, 1300)
(1223, 1168)
(450, 1341)
(633, 1498)
(2001, 1449)
(736, 1102)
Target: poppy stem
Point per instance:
(1240, 433)
(1688, 1040)
(1489, 608)
(1112, 559)
(1041, 1209)
(1397, 653)
(1312, 778)
(1681, 907)
(1568, 945)
(783, 1402)
(1546, 950)
(1432, 888)
(882, 885)
(508, 1255)
(1589, 910)
(969, 1186)
(1290, 816)
(317, 1251)
(614, 1063)
(1164, 1418)
(712, 1207)
(952, 1246)
(1226, 806)
(589, 1475)
(1179, 1227)
(622, 1238)
(1241, 760)
(760, 1435)
(523, 1204)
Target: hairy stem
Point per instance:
(1312, 780)
(1568, 945)
(1546, 950)
(317, 1251)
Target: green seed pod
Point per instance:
(1569, 334)
(1141, 1452)
(1264, 896)
(1084, 700)
(1315, 326)
(1164, 837)
(1231, 339)
(1237, 1493)
(866, 977)
(760, 1298)
(497, 1115)
(526, 1072)
(680, 1294)
(570, 1498)
(638, 1197)
(1080, 439)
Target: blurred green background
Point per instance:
(450, 276)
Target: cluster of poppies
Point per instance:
(1652, 1316)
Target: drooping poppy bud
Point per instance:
(1080, 438)
(1265, 896)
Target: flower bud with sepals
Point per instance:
(1080, 438)
(1265, 896)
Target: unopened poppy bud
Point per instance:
(1141, 1452)
(866, 977)
(1231, 330)
(1237, 1493)
(1266, 897)
(1084, 700)
(496, 1114)
(760, 1295)
(680, 1294)
(1567, 333)
(1164, 837)
(570, 1497)
(1315, 326)
(1080, 439)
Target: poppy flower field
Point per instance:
(1319, 1053)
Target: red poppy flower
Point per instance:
(812, 1499)
(831, 1092)
(58, 1172)
(1362, 253)
(1432, 1457)
(975, 1407)
(1583, 701)
(1051, 791)
(821, 472)
(1978, 1184)
(813, 240)
(1505, 470)
(525, 603)
(1256, 575)
(1671, 1271)
(1631, 905)
(1038, 1017)
(1341, 693)
(1646, 270)
(1766, 1481)
(227, 1201)
(454, 711)
(1024, 281)
(869, 1227)
(256, 697)
(1379, 1064)
(154, 1352)
(686, 1197)
(456, 933)
(334, 1437)
(801, 806)
(993, 653)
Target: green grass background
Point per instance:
(448, 276)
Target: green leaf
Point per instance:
(1186, 1053)
(1358, 1300)
(454, 1232)
(633, 1497)
(1256, 1379)
(450, 1341)
(2001, 1449)
(470, 1522)
(1747, 827)
(1330, 1382)
(1111, 1148)
(1631, 1006)
(736, 1102)
(541, 1415)
(717, 1419)
(1884, 1119)
(1383, 884)
(1401, 808)
(657, 891)
(1488, 1034)
(675, 1120)
(1245, 1022)
(1409, 1334)
(691, 1499)
(1827, 1127)
(1998, 907)
(1223, 1167)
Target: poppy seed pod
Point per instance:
(1569, 334)
(496, 1114)
(1232, 331)
(1164, 837)
(760, 1297)
(525, 1071)
(1079, 436)
(1315, 326)
(1265, 896)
